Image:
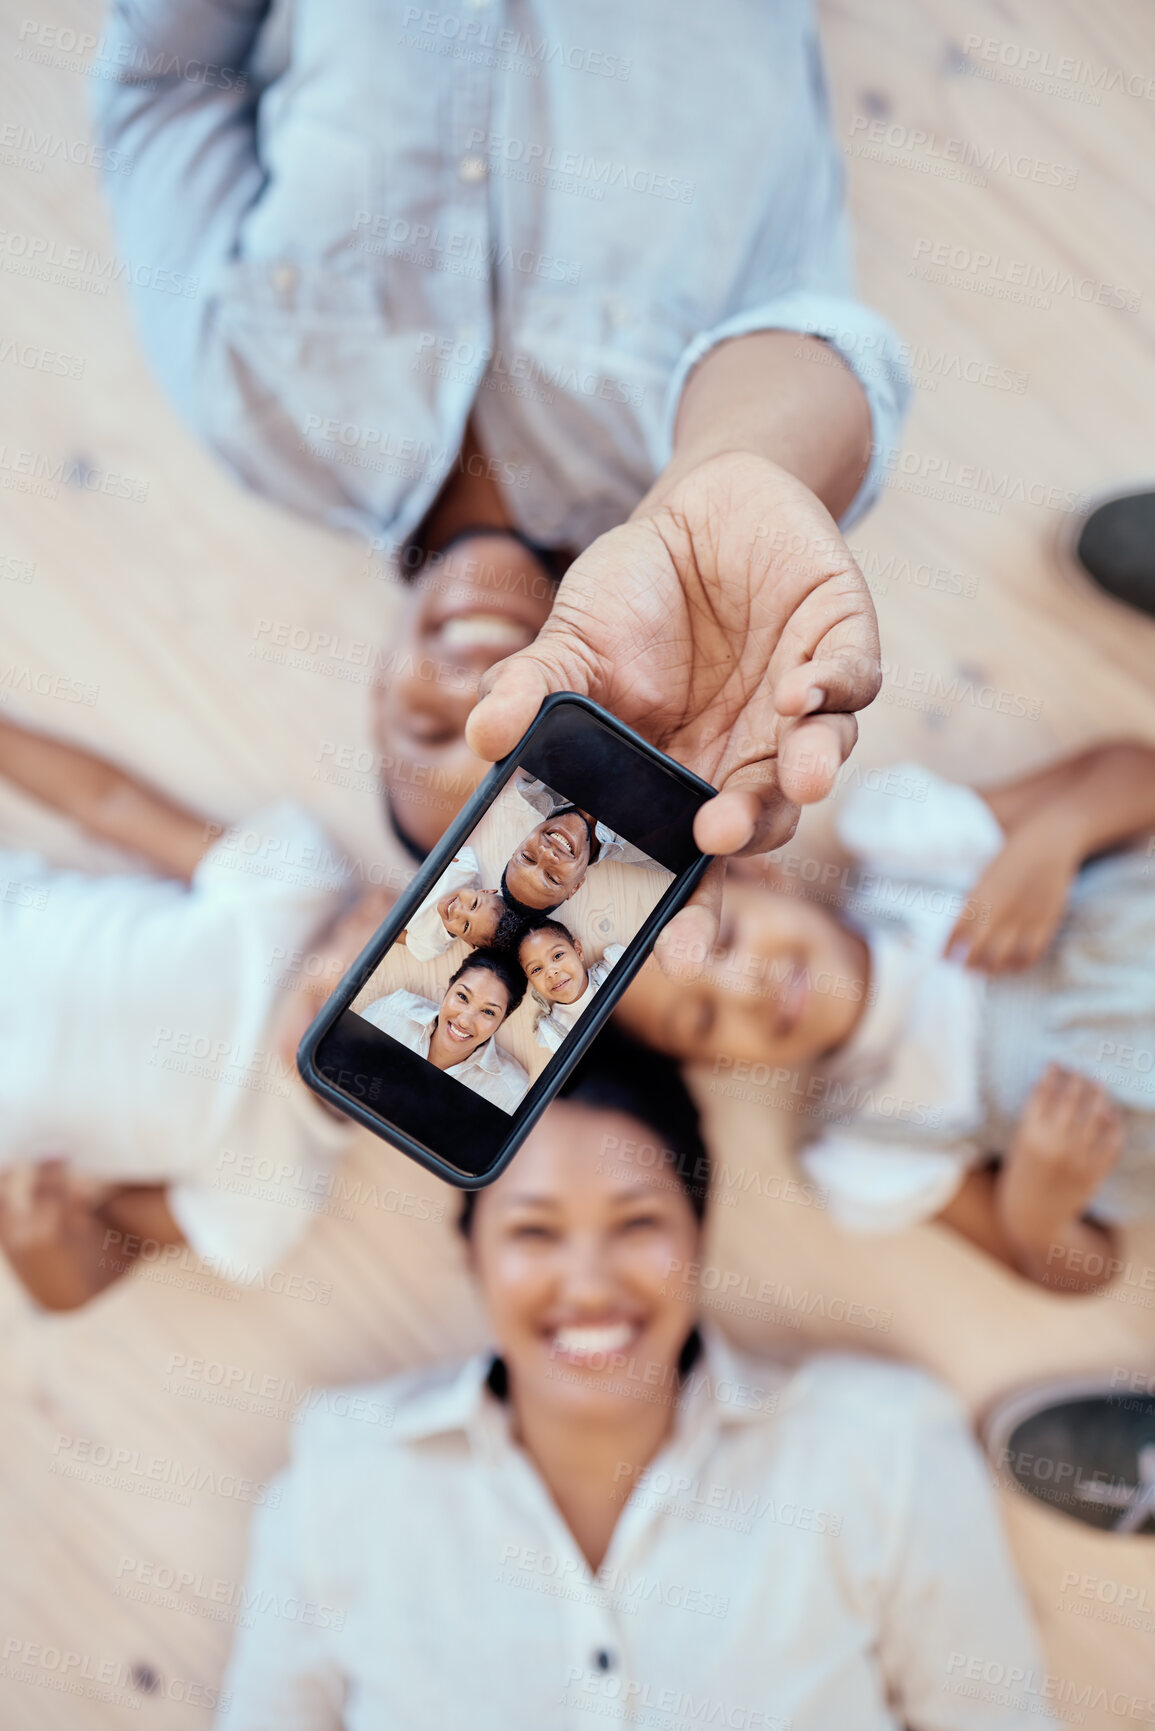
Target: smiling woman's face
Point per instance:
(472, 1009)
(486, 598)
(581, 1260)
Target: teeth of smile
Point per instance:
(562, 840)
(470, 629)
(611, 1337)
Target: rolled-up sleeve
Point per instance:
(803, 280)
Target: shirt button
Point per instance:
(603, 1660)
(284, 278)
(472, 169)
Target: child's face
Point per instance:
(786, 984)
(553, 966)
(472, 915)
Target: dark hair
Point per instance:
(522, 909)
(414, 555)
(543, 923)
(510, 930)
(619, 1075)
(501, 963)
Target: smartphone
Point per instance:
(459, 1021)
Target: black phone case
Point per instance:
(579, 1041)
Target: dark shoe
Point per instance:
(1082, 1447)
(1112, 544)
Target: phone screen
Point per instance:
(511, 946)
(459, 1022)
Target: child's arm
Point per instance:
(1054, 820)
(107, 801)
(64, 1247)
(1030, 1213)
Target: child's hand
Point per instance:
(42, 1206)
(1018, 904)
(1068, 1140)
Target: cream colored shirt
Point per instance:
(816, 1548)
(488, 1070)
(137, 1031)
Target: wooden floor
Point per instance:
(1034, 390)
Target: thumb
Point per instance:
(514, 691)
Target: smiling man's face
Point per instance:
(487, 597)
(551, 863)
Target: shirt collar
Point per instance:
(423, 1011)
(486, 1057)
(724, 1388)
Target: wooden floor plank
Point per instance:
(160, 604)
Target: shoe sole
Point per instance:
(1065, 540)
(1003, 1417)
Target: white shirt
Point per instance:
(546, 802)
(816, 1549)
(552, 1027)
(488, 1070)
(425, 935)
(903, 1097)
(135, 1027)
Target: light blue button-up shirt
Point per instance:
(353, 222)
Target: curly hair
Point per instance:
(511, 928)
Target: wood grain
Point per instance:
(166, 612)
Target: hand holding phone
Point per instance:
(459, 1021)
(729, 623)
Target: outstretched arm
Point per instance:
(107, 801)
(1102, 796)
(1054, 820)
(727, 620)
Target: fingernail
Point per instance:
(815, 698)
(959, 951)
